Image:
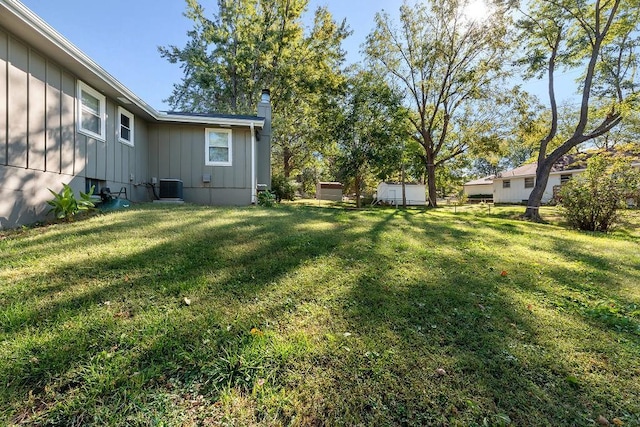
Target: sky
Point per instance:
(123, 36)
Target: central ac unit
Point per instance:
(170, 189)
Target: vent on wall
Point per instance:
(170, 189)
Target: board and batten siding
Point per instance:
(178, 152)
(40, 146)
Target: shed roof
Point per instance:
(331, 185)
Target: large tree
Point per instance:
(247, 45)
(370, 127)
(598, 40)
(446, 62)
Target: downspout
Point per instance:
(253, 166)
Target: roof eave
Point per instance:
(214, 121)
(117, 90)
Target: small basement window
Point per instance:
(529, 182)
(506, 183)
(91, 111)
(218, 147)
(125, 126)
(97, 185)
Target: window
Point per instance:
(565, 178)
(97, 185)
(506, 183)
(91, 111)
(218, 147)
(125, 126)
(528, 182)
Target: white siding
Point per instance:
(392, 193)
(471, 190)
(518, 194)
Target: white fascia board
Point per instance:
(566, 171)
(38, 25)
(219, 121)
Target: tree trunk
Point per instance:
(357, 184)
(404, 189)
(286, 162)
(535, 198)
(431, 183)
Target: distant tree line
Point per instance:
(434, 99)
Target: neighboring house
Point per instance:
(391, 193)
(515, 186)
(481, 188)
(64, 119)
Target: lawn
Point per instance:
(307, 315)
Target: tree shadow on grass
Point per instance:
(226, 266)
(459, 318)
(403, 295)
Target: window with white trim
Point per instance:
(564, 178)
(91, 111)
(506, 183)
(529, 182)
(125, 126)
(218, 147)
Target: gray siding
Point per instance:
(177, 151)
(136, 161)
(53, 123)
(40, 147)
(70, 152)
(3, 97)
(17, 111)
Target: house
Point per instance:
(515, 186)
(480, 189)
(391, 193)
(64, 119)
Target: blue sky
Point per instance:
(123, 36)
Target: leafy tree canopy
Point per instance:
(247, 45)
(598, 40)
(448, 65)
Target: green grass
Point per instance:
(306, 315)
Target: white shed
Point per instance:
(391, 193)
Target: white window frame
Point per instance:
(131, 117)
(506, 183)
(206, 147)
(83, 87)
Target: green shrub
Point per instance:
(266, 199)
(282, 188)
(592, 200)
(64, 205)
